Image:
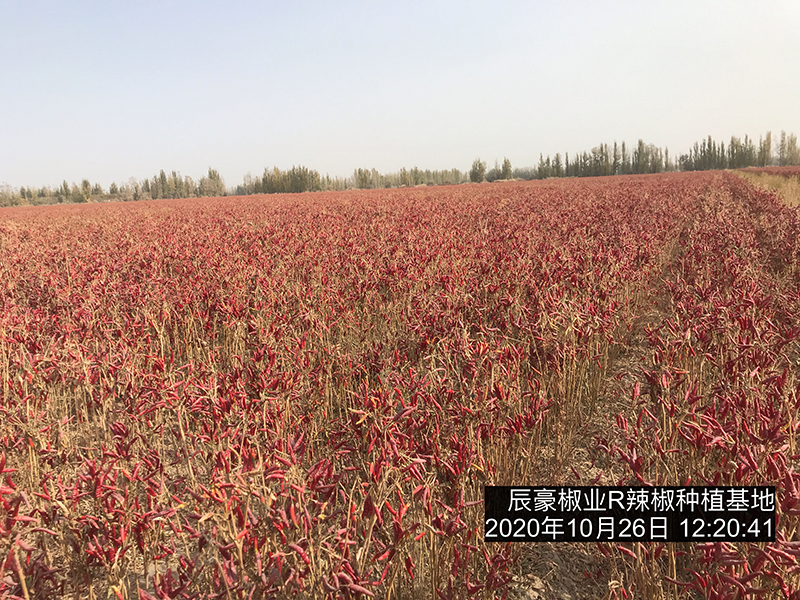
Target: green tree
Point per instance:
(782, 150)
(478, 171)
(507, 171)
(175, 185)
(765, 150)
(493, 174)
(558, 169)
(640, 158)
(404, 179)
(62, 192)
(189, 187)
(76, 194)
(212, 185)
(792, 150)
(362, 179)
(542, 169)
(163, 185)
(656, 164)
(624, 160)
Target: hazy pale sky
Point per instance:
(107, 90)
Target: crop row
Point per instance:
(717, 400)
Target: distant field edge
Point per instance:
(783, 181)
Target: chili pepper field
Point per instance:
(303, 395)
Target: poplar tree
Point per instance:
(477, 173)
(782, 150)
(792, 151)
(507, 172)
(765, 150)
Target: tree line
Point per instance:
(739, 154)
(619, 159)
(602, 160)
(160, 186)
(302, 179)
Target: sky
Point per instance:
(109, 90)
